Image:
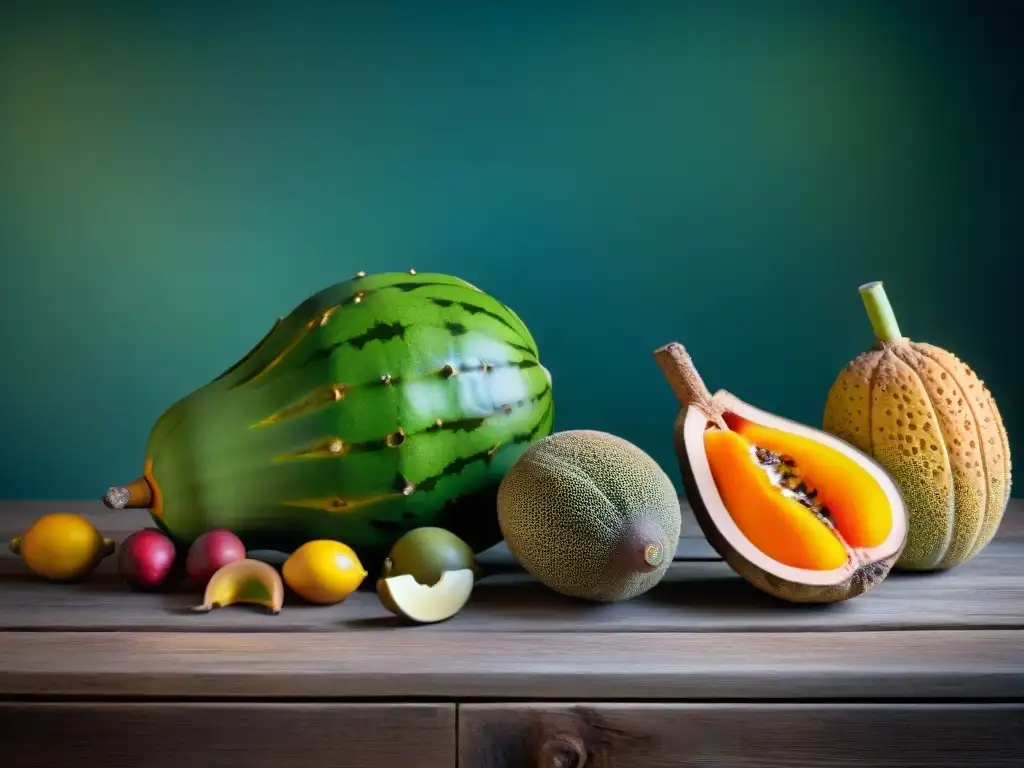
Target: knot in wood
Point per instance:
(563, 750)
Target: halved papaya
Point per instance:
(799, 513)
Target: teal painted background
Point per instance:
(173, 176)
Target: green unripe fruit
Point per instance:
(380, 404)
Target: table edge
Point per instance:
(982, 665)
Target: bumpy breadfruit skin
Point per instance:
(568, 503)
(862, 580)
(925, 416)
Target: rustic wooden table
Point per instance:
(927, 670)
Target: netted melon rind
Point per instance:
(565, 505)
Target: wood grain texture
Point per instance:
(702, 634)
(697, 595)
(965, 664)
(746, 735)
(223, 736)
(694, 597)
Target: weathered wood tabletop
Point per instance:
(703, 633)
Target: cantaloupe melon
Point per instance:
(932, 423)
(590, 515)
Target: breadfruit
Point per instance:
(926, 417)
(797, 512)
(590, 515)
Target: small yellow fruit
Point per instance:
(323, 571)
(62, 546)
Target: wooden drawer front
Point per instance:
(215, 735)
(741, 736)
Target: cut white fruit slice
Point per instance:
(428, 604)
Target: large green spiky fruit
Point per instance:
(380, 404)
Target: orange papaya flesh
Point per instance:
(799, 501)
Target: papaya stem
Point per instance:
(883, 319)
(136, 495)
(689, 387)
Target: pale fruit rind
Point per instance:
(958, 431)
(935, 428)
(906, 440)
(991, 455)
(850, 398)
(427, 604)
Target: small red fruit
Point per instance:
(211, 552)
(145, 559)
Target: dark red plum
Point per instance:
(210, 552)
(145, 559)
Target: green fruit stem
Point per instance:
(883, 320)
(689, 387)
(15, 545)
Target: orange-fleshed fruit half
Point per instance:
(799, 513)
(798, 501)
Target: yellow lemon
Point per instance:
(62, 546)
(323, 571)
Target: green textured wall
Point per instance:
(174, 176)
